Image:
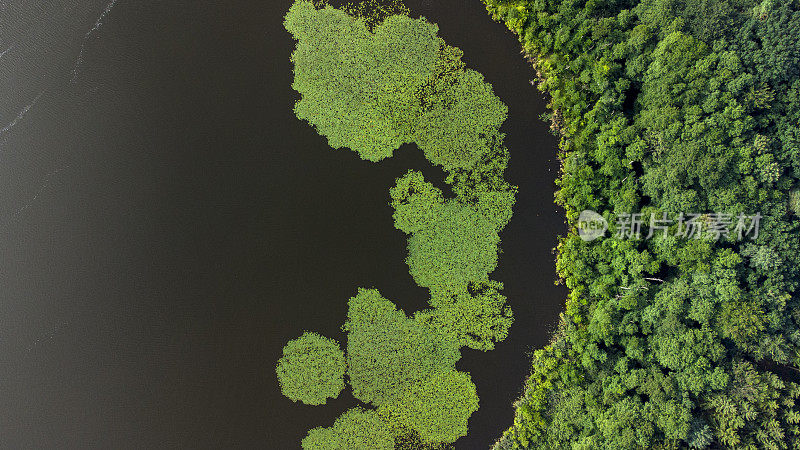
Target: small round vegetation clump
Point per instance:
(311, 369)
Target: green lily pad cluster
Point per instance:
(372, 85)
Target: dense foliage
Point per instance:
(358, 87)
(438, 409)
(372, 83)
(458, 245)
(478, 317)
(388, 353)
(459, 115)
(311, 369)
(670, 106)
(355, 429)
(373, 87)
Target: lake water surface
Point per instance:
(167, 224)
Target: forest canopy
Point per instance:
(663, 107)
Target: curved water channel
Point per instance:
(167, 224)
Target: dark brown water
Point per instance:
(167, 224)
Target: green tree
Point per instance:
(311, 369)
(669, 106)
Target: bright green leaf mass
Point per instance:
(311, 369)
(456, 247)
(374, 89)
(438, 408)
(356, 429)
(415, 202)
(373, 80)
(388, 353)
(458, 120)
(479, 318)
